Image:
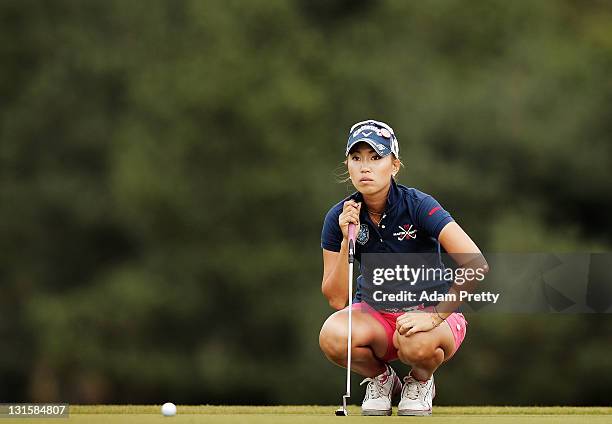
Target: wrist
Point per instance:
(442, 316)
(436, 320)
(344, 246)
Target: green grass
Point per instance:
(141, 414)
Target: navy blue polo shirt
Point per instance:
(411, 223)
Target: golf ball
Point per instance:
(168, 409)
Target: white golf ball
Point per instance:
(168, 409)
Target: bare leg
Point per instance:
(369, 342)
(425, 351)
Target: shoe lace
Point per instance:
(412, 389)
(373, 389)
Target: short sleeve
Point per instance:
(331, 235)
(431, 217)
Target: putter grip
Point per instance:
(351, 232)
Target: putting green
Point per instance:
(136, 414)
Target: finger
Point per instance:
(408, 322)
(412, 331)
(405, 321)
(405, 328)
(347, 216)
(349, 203)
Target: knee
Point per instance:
(415, 350)
(332, 340)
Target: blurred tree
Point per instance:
(165, 167)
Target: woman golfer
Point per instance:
(390, 218)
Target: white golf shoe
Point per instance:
(417, 396)
(379, 393)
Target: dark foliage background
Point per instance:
(165, 167)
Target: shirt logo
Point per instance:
(406, 231)
(364, 234)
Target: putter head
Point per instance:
(342, 412)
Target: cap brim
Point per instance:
(372, 143)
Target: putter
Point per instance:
(343, 412)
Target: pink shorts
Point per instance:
(456, 321)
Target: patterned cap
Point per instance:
(377, 134)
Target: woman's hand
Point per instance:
(413, 322)
(349, 215)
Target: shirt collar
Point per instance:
(394, 194)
